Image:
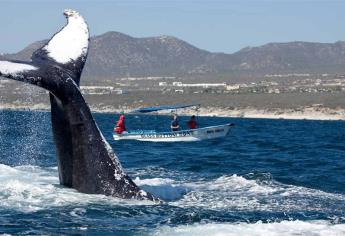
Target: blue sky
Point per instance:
(213, 25)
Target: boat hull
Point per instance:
(205, 133)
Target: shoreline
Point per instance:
(302, 113)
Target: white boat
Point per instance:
(209, 132)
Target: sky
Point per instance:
(214, 25)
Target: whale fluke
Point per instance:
(70, 43)
(86, 161)
(12, 68)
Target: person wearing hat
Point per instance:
(120, 125)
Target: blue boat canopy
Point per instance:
(159, 108)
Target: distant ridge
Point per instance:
(114, 54)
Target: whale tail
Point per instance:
(86, 161)
(68, 47)
(19, 70)
(67, 50)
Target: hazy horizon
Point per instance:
(216, 26)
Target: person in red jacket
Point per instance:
(192, 123)
(120, 125)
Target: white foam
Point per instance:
(153, 181)
(12, 68)
(165, 189)
(238, 183)
(72, 41)
(32, 188)
(78, 212)
(284, 228)
(237, 193)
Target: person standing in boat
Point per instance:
(174, 124)
(192, 124)
(120, 125)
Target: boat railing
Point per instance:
(140, 132)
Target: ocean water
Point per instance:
(268, 177)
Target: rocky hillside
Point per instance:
(292, 57)
(115, 54)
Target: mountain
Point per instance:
(293, 57)
(114, 54)
(117, 54)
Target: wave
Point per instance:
(252, 192)
(33, 188)
(283, 228)
(238, 193)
